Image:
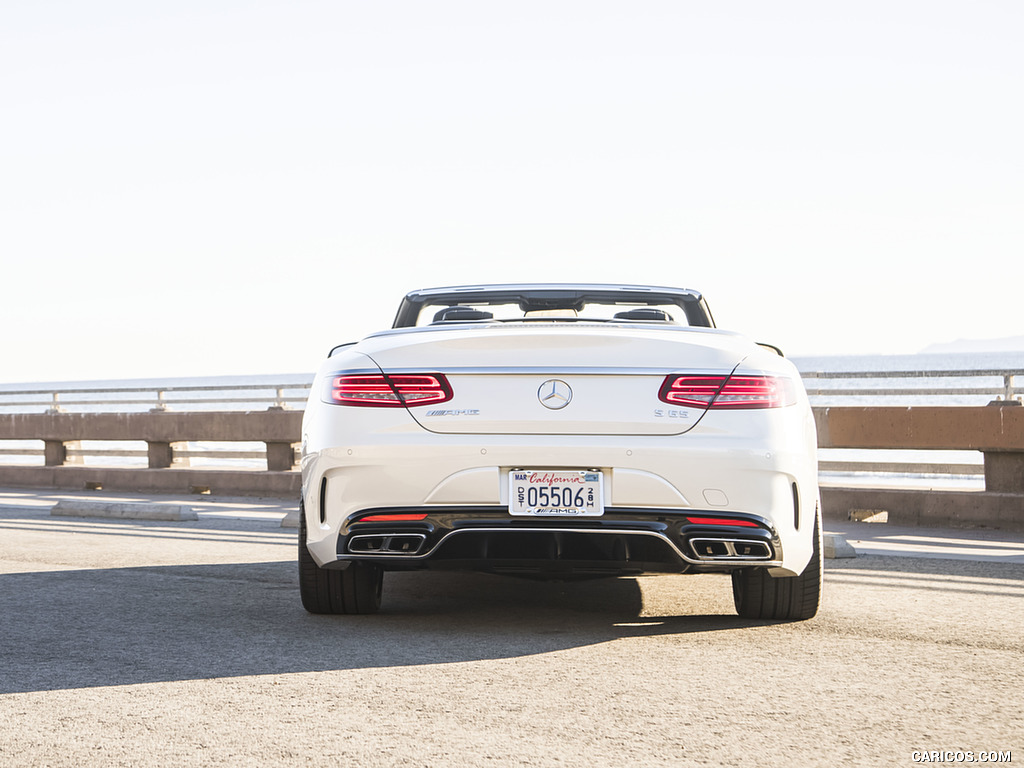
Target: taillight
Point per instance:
(391, 391)
(727, 392)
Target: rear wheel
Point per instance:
(356, 589)
(759, 596)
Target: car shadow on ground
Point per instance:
(85, 628)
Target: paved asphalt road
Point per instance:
(129, 643)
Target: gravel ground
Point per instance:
(184, 644)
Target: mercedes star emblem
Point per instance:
(554, 394)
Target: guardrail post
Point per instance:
(280, 457)
(1004, 471)
(1008, 390)
(55, 453)
(162, 455)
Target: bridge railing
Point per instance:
(894, 464)
(839, 464)
(166, 455)
(996, 432)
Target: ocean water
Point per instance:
(959, 361)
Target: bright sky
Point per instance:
(207, 187)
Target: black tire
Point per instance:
(795, 598)
(356, 589)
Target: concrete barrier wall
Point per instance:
(164, 426)
(996, 430)
(997, 427)
(165, 433)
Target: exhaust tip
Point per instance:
(730, 549)
(387, 544)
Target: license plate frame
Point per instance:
(556, 493)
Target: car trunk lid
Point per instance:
(561, 379)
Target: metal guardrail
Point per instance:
(74, 398)
(893, 384)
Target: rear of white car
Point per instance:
(559, 449)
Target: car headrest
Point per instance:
(643, 313)
(461, 313)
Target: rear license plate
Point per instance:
(572, 493)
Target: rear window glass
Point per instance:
(624, 312)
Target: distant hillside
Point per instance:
(1007, 344)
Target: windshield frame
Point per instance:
(552, 297)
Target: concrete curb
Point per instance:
(183, 481)
(836, 547)
(21, 509)
(124, 511)
(291, 520)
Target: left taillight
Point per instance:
(391, 391)
(727, 392)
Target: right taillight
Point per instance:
(727, 392)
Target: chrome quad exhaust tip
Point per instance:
(719, 549)
(387, 544)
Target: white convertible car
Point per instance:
(559, 431)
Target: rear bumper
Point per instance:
(621, 541)
(651, 483)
